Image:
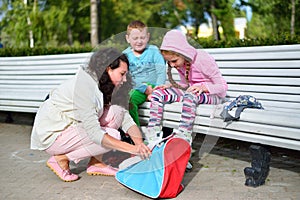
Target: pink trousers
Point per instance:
(75, 143)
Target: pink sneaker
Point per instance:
(104, 171)
(64, 175)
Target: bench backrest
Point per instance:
(26, 81)
(271, 74)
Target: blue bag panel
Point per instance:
(145, 177)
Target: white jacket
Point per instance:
(77, 101)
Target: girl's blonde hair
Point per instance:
(169, 73)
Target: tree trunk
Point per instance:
(31, 39)
(293, 18)
(70, 36)
(214, 21)
(94, 23)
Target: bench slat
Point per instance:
(263, 80)
(264, 89)
(34, 95)
(41, 63)
(30, 82)
(19, 109)
(258, 49)
(38, 77)
(271, 64)
(36, 74)
(259, 56)
(262, 72)
(24, 87)
(38, 69)
(50, 58)
(268, 96)
(21, 103)
(261, 129)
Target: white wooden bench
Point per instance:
(271, 74)
(26, 81)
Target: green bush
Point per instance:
(10, 52)
(284, 39)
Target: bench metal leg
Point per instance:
(9, 118)
(167, 131)
(260, 166)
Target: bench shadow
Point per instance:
(281, 158)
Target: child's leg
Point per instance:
(190, 102)
(158, 99)
(188, 113)
(136, 99)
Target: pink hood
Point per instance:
(176, 41)
(204, 69)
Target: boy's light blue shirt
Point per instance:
(149, 67)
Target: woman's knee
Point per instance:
(112, 117)
(114, 133)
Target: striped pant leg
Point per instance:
(190, 102)
(158, 99)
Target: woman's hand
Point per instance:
(142, 150)
(139, 149)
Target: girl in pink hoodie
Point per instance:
(201, 82)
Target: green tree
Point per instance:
(53, 23)
(222, 14)
(116, 14)
(274, 17)
(21, 17)
(67, 22)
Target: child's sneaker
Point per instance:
(152, 135)
(184, 135)
(189, 166)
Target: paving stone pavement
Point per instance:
(217, 175)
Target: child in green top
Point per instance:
(146, 65)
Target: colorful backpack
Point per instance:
(162, 174)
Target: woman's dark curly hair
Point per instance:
(97, 67)
(105, 84)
